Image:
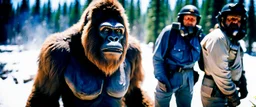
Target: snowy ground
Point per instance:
(24, 64)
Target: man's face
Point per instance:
(234, 19)
(189, 20)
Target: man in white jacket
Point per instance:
(222, 57)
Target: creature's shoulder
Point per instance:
(134, 49)
(60, 42)
(55, 48)
(52, 62)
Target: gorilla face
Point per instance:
(105, 38)
(105, 44)
(112, 33)
(105, 34)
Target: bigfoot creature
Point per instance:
(92, 64)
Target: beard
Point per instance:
(232, 30)
(235, 32)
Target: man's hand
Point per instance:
(242, 87)
(163, 82)
(233, 99)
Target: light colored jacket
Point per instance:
(222, 60)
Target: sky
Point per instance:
(144, 3)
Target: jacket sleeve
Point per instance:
(160, 50)
(216, 54)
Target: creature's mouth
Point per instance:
(112, 50)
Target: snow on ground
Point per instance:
(25, 65)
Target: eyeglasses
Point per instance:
(233, 18)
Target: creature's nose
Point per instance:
(113, 38)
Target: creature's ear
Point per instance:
(86, 18)
(83, 21)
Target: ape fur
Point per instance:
(74, 68)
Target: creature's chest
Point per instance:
(87, 83)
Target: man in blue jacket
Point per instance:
(176, 51)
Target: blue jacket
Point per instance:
(182, 54)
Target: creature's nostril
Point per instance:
(116, 39)
(111, 38)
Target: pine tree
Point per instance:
(17, 24)
(217, 6)
(206, 16)
(36, 8)
(6, 16)
(70, 8)
(57, 19)
(138, 10)
(165, 13)
(64, 9)
(150, 19)
(156, 19)
(138, 29)
(131, 14)
(75, 13)
(195, 3)
(123, 3)
(178, 6)
(64, 18)
(187, 2)
(241, 1)
(48, 12)
(170, 12)
(23, 20)
(231, 1)
(24, 12)
(251, 26)
(24, 6)
(36, 14)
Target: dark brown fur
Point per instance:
(55, 53)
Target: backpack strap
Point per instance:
(172, 37)
(200, 36)
(174, 32)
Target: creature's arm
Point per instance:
(52, 61)
(136, 97)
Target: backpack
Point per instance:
(175, 30)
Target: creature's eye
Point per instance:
(106, 30)
(119, 31)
